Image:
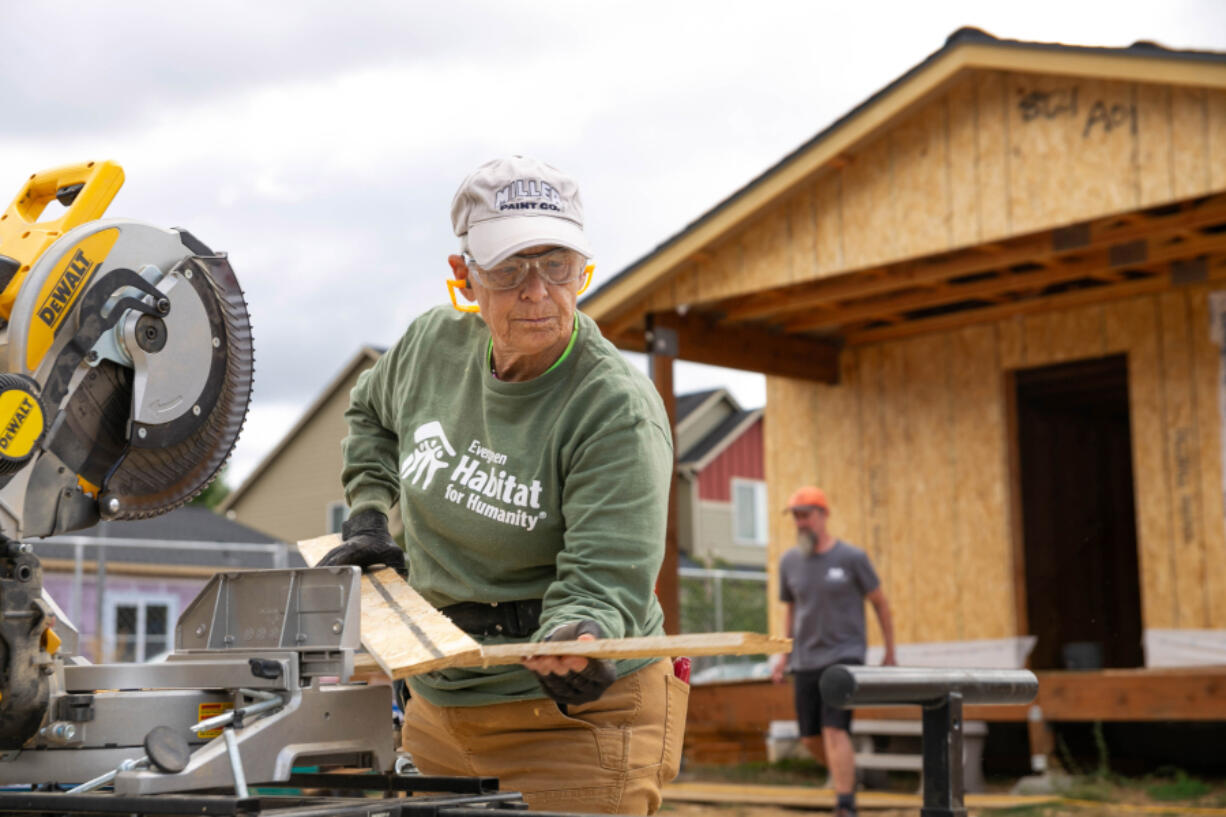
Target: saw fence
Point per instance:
(404, 635)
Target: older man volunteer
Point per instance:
(531, 464)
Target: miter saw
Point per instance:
(126, 357)
(125, 374)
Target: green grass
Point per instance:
(1180, 788)
(1099, 789)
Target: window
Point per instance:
(139, 627)
(748, 512)
(338, 512)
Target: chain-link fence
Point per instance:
(715, 600)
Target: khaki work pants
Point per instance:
(610, 756)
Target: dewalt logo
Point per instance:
(78, 271)
(60, 290)
(21, 423)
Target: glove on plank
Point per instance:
(365, 543)
(589, 683)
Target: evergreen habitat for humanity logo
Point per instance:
(480, 481)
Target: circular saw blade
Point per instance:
(153, 478)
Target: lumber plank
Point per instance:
(402, 632)
(653, 646)
(404, 635)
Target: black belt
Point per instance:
(515, 619)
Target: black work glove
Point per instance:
(579, 687)
(366, 543)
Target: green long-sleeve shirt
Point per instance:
(554, 488)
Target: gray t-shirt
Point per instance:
(827, 593)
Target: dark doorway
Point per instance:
(1083, 597)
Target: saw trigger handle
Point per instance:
(85, 190)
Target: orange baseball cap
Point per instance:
(810, 496)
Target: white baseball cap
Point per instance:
(507, 205)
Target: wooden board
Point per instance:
(401, 631)
(688, 644)
(405, 635)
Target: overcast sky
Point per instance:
(320, 143)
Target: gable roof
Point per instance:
(723, 435)
(191, 523)
(687, 404)
(191, 535)
(367, 354)
(966, 48)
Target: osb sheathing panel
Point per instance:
(991, 115)
(1190, 141)
(1206, 374)
(997, 154)
(872, 483)
(1183, 464)
(931, 468)
(829, 217)
(919, 155)
(802, 228)
(931, 445)
(838, 448)
(1132, 327)
(898, 440)
(792, 429)
(1216, 114)
(964, 222)
(980, 484)
(1155, 183)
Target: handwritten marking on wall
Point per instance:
(1100, 117)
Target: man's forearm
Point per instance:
(886, 620)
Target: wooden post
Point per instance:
(661, 351)
(1042, 742)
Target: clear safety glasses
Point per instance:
(558, 266)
